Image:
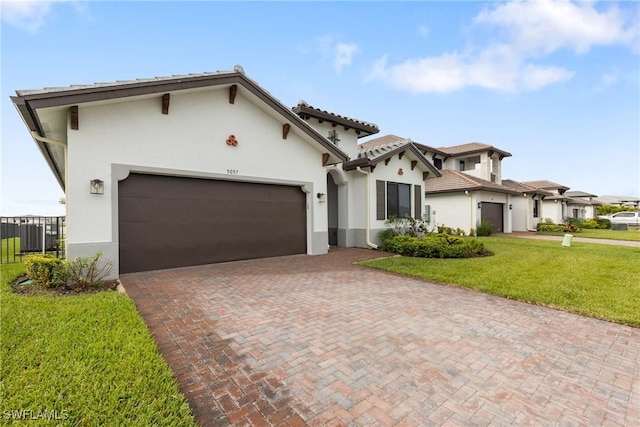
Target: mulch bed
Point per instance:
(68, 290)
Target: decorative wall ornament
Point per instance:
(232, 140)
(400, 171)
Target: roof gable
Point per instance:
(546, 184)
(362, 128)
(30, 102)
(370, 157)
(472, 148)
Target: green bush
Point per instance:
(589, 224)
(603, 223)
(89, 271)
(610, 210)
(484, 228)
(387, 233)
(434, 246)
(46, 270)
(557, 228)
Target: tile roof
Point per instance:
(472, 147)
(524, 188)
(454, 181)
(579, 194)
(98, 85)
(387, 139)
(303, 109)
(381, 140)
(545, 184)
(370, 156)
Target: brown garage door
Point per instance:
(167, 222)
(492, 213)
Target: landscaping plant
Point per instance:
(89, 271)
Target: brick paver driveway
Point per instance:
(316, 340)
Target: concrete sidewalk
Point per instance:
(532, 235)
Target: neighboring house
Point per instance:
(470, 188)
(555, 206)
(582, 205)
(203, 168)
(528, 207)
(618, 201)
(375, 184)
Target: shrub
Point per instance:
(588, 224)
(408, 226)
(603, 223)
(610, 210)
(434, 246)
(89, 271)
(46, 270)
(484, 228)
(386, 234)
(557, 228)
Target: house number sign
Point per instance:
(232, 171)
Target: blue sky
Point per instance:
(555, 83)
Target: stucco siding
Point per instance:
(189, 141)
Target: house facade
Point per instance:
(205, 168)
(469, 189)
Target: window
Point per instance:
(461, 165)
(437, 163)
(535, 207)
(398, 199)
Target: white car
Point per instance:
(629, 218)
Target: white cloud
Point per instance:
(28, 15)
(338, 52)
(452, 71)
(543, 26)
(530, 29)
(343, 54)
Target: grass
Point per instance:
(88, 359)
(590, 279)
(10, 249)
(630, 235)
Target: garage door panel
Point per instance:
(170, 222)
(493, 214)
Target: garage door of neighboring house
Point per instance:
(492, 213)
(167, 222)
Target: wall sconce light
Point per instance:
(510, 207)
(321, 197)
(479, 205)
(97, 186)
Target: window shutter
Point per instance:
(417, 191)
(380, 200)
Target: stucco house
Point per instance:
(470, 188)
(528, 207)
(555, 206)
(582, 205)
(204, 168)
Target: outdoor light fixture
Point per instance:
(321, 197)
(510, 207)
(479, 205)
(97, 186)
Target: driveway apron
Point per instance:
(316, 340)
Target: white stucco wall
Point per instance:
(552, 209)
(189, 141)
(456, 210)
(348, 138)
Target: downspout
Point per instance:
(37, 137)
(470, 210)
(368, 229)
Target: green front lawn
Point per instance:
(630, 235)
(590, 279)
(87, 359)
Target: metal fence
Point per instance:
(24, 235)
